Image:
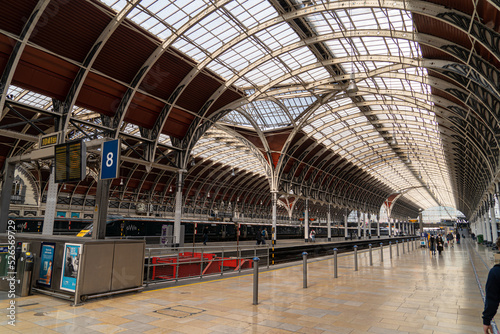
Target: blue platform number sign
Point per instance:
(110, 159)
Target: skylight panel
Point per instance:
(278, 36)
(298, 58)
(36, 100)
(117, 5)
(315, 75)
(15, 91)
(251, 12)
(338, 47)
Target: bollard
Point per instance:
(397, 248)
(355, 258)
(403, 244)
(408, 244)
(381, 252)
(255, 280)
(304, 257)
(390, 249)
(371, 259)
(335, 263)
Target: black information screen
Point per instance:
(70, 162)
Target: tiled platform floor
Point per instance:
(412, 293)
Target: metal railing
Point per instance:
(165, 264)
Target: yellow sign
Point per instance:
(49, 140)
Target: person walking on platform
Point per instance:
(458, 238)
(312, 236)
(432, 244)
(205, 235)
(439, 244)
(264, 236)
(258, 236)
(450, 238)
(492, 298)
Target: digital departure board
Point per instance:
(70, 162)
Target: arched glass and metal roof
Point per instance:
(347, 102)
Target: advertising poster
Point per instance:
(70, 266)
(46, 263)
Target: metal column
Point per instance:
(50, 206)
(378, 225)
(101, 209)
(329, 224)
(346, 232)
(5, 196)
(306, 221)
(274, 200)
(178, 208)
(494, 230)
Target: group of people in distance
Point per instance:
(436, 243)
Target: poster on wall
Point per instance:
(71, 260)
(46, 263)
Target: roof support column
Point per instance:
(178, 210)
(346, 231)
(329, 224)
(274, 202)
(378, 225)
(50, 206)
(389, 226)
(479, 222)
(364, 225)
(492, 223)
(420, 222)
(358, 214)
(486, 228)
(306, 221)
(101, 209)
(5, 195)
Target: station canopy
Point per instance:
(344, 102)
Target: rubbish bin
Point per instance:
(479, 238)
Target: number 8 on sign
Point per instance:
(110, 159)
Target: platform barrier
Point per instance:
(163, 264)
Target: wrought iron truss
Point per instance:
(425, 124)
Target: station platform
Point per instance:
(415, 292)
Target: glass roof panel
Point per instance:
(348, 125)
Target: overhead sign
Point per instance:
(49, 140)
(110, 159)
(71, 162)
